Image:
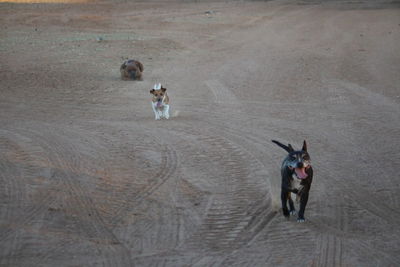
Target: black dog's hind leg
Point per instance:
(284, 198)
(303, 204)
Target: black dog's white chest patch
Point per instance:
(295, 182)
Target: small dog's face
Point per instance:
(158, 95)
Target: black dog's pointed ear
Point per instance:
(152, 91)
(304, 148)
(291, 149)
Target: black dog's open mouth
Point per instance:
(301, 173)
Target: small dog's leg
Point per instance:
(166, 112)
(303, 203)
(156, 112)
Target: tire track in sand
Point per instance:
(221, 92)
(25, 175)
(169, 162)
(69, 163)
(233, 210)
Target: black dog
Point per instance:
(297, 175)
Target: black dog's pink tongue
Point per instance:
(301, 173)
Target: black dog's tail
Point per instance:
(288, 148)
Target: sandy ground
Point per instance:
(89, 178)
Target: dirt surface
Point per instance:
(89, 178)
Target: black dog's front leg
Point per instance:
(292, 210)
(284, 199)
(303, 204)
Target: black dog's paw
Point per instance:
(286, 213)
(301, 220)
(293, 212)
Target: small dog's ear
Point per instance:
(163, 89)
(304, 148)
(152, 91)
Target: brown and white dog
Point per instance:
(131, 70)
(160, 102)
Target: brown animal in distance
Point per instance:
(131, 70)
